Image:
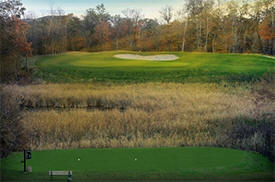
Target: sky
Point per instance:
(150, 8)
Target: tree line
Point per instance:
(201, 25)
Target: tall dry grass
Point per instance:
(148, 97)
(146, 115)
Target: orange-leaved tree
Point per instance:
(267, 33)
(24, 47)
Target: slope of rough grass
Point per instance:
(182, 163)
(190, 67)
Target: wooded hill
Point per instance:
(201, 25)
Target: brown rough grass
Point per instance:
(189, 97)
(143, 115)
(147, 115)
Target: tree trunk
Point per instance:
(232, 35)
(184, 34)
(116, 43)
(197, 28)
(198, 36)
(182, 46)
(206, 39)
(213, 43)
(199, 41)
(235, 37)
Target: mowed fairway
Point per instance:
(190, 67)
(181, 163)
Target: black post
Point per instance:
(27, 64)
(24, 160)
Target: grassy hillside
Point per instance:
(146, 164)
(190, 67)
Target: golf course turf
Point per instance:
(143, 164)
(182, 163)
(190, 67)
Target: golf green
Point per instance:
(190, 67)
(182, 163)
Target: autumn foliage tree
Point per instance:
(13, 45)
(267, 33)
(102, 33)
(24, 47)
(229, 26)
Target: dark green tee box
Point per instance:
(182, 163)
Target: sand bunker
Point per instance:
(164, 57)
(271, 57)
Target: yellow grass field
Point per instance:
(143, 115)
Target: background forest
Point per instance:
(201, 25)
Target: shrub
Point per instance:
(12, 132)
(252, 134)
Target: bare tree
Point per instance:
(182, 15)
(207, 34)
(30, 15)
(184, 35)
(134, 15)
(166, 14)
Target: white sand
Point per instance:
(164, 57)
(271, 57)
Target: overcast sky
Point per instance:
(150, 8)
